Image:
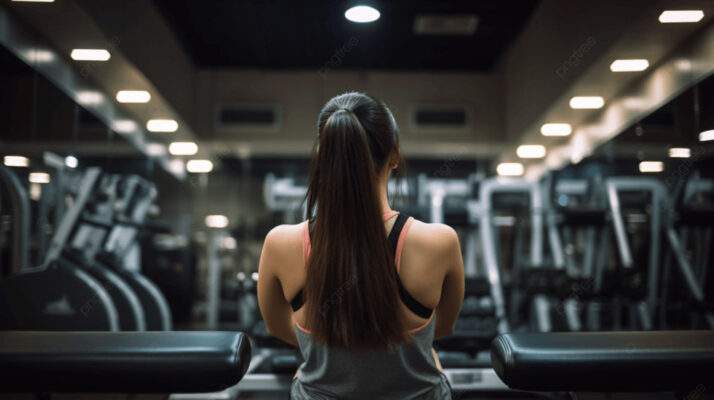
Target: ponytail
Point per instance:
(352, 287)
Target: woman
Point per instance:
(361, 289)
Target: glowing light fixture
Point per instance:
(155, 149)
(680, 152)
(183, 148)
(556, 129)
(39, 177)
(199, 166)
(634, 65)
(124, 126)
(216, 221)
(71, 162)
(587, 102)
(651, 166)
(362, 14)
(162, 125)
(133, 96)
(530, 151)
(90, 55)
(706, 136)
(16, 161)
(509, 169)
(681, 16)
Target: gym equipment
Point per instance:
(662, 221)
(84, 245)
(665, 361)
(541, 303)
(120, 250)
(124, 362)
(55, 295)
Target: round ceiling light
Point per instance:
(362, 14)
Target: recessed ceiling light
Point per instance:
(38, 56)
(556, 129)
(133, 96)
(509, 169)
(90, 55)
(183, 148)
(155, 149)
(199, 166)
(89, 97)
(651, 166)
(162, 125)
(362, 14)
(176, 166)
(39, 177)
(587, 102)
(16, 161)
(530, 151)
(124, 126)
(706, 136)
(681, 16)
(634, 65)
(254, 276)
(216, 221)
(71, 162)
(680, 152)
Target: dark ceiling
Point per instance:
(313, 34)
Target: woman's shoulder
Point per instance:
(431, 236)
(285, 239)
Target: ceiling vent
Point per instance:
(441, 117)
(240, 117)
(445, 24)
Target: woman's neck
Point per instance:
(383, 198)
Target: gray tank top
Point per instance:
(407, 371)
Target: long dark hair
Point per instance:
(352, 291)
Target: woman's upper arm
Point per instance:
(274, 308)
(452, 294)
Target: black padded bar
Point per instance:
(605, 361)
(122, 362)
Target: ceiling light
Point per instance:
(680, 152)
(133, 96)
(556, 129)
(155, 149)
(176, 166)
(16, 161)
(587, 102)
(629, 65)
(162, 125)
(183, 148)
(199, 166)
(362, 14)
(254, 276)
(90, 55)
(510, 169)
(530, 151)
(89, 97)
(71, 162)
(681, 16)
(38, 56)
(706, 136)
(124, 126)
(216, 221)
(39, 177)
(651, 166)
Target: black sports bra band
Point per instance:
(409, 301)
